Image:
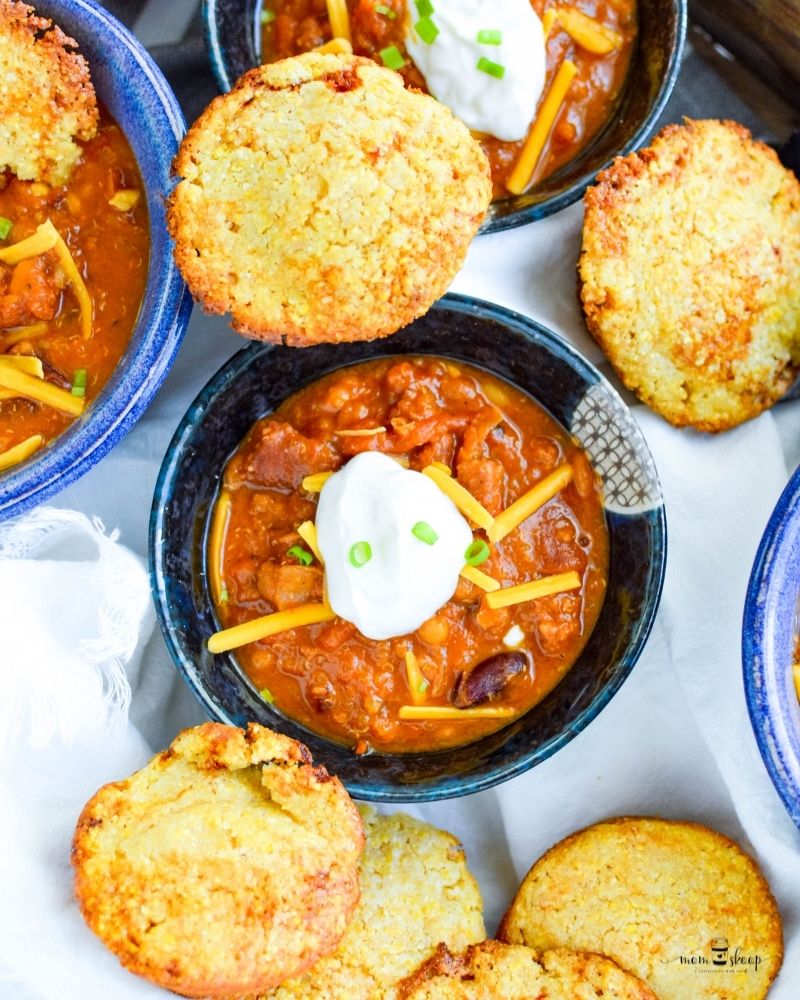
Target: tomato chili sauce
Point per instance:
(498, 443)
(110, 247)
(294, 26)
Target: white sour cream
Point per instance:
(503, 107)
(375, 500)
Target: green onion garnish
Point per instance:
(6, 225)
(425, 533)
(424, 7)
(477, 553)
(392, 57)
(426, 30)
(223, 594)
(301, 555)
(267, 695)
(267, 16)
(490, 36)
(78, 390)
(79, 378)
(360, 554)
(422, 686)
(381, 8)
(494, 69)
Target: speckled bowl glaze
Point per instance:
(233, 41)
(771, 626)
(259, 377)
(131, 86)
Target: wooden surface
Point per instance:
(763, 33)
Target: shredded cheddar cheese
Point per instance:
(417, 684)
(462, 498)
(532, 590)
(79, 288)
(482, 580)
(339, 46)
(339, 18)
(422, 713)
(21, 451)
(315, 482)
(23, 363)
(796, 674)
(216, 543)
(44, 239)
(442, 468)
(260, 628)
(361, 432)
(308, 532)
(548, 20)
(17, 334)
(587, 32)
(44, 392)
(548, 112)
(529, 502)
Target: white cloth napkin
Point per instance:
(674, 742)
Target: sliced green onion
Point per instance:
(425, 533)
(490, 36)
(267, 16)
(78, 390)
(6, 225)
(301, 555)
(360, 554)
(426, 30)
(392, 57)
(79, 378)
(267, 695)
(477, 553)
(381, 8)
(223, 595)
(422, 685)
(497, 70)
(424, 7)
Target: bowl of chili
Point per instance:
(771, 647)
(279, 400)
(610, 108)
(112, 212)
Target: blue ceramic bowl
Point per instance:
(770, 629)
(234, 46)
(259, 377)
(131, 86)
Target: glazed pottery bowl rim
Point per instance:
(524, 214)
(166, 303)
(766, 647)
(377, 788)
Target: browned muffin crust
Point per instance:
(688, 273)
(321, 201)
(226, 865)
(47, 98)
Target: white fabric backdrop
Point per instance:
(674, 742)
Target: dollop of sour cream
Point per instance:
(405, 579)
(503, 107)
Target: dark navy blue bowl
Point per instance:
(234, 46)
(257, 379)
(131, 86)
(770, 629)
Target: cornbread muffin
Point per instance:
(416, 892)
(680, 906)
(46, 99)
(509, 972)
(226, 865)
(321, 201)
(691, 252)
